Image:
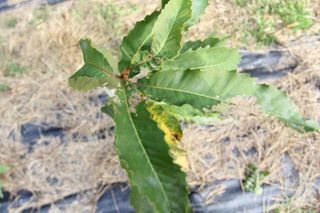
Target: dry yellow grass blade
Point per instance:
(45, 43)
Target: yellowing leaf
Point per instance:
(172, 130)
(203, 89)
(155, 179)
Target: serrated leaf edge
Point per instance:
(141, 145)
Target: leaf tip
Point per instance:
(85, 43)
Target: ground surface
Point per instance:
(38, 52)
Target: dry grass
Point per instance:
(45, 42)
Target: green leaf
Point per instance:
(3, 169)
(97, 71)
(166, 122)
(164, 2)
(138, 39)
(1, 194)
(198, 8)
(217, 58)
(203, 89)
(167, 33)
(108, 109)
(187, 113)
(209, 42)
(170, 126)
(254, 178)
(158, 184)
(109, 56)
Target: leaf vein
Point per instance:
(141, 145)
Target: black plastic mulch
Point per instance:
(4, 6)
(117, 196)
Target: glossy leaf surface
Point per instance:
(171, 82)
(217, 58)
(97, 71)
(198, 9)
(203, 89)
(209, 42)
(168, 29)
(170, 126)
(145, 156)
(164, 2)
(139, 38)
(189, 114)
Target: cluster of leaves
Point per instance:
(271, 16)
(160, 81)
(3, 169)
(253, 179)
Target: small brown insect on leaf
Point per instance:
(125, 74)
(175, 137)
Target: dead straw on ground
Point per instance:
(45, 42)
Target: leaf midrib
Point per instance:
(290, 119)
(171, 27)
(141, 145)
(226, 60)
(101, 68)
(185, 91)
(138, 50)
